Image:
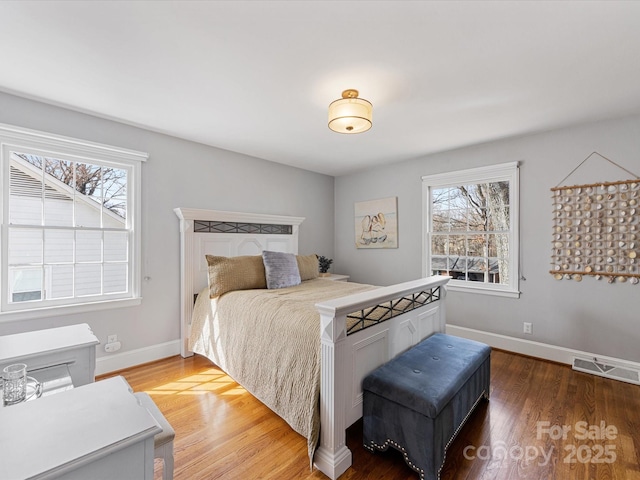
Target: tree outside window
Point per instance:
(470, 227)
(72, 234)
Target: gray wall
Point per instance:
(591, 316)
(178, 173)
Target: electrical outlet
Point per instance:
(528, 328)
(112, 338)
(112, 347)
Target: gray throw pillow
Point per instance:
(281, 269)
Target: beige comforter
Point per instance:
(269, 342)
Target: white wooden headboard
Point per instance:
(229, 234)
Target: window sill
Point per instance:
(68, 309)
(451, 287)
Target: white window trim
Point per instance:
(26, 139)
(505, 171)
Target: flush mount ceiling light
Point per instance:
(350, 114)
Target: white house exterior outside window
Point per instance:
(471, 228)
(70, 225)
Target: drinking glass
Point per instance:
(14, 388)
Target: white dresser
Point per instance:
(72, 347)
(98, 431)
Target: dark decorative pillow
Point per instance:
(281, 269)
(308, 267)
(235, 273)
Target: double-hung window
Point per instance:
(471, 228)
(70, 224)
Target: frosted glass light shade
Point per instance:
(350, 114)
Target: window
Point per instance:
(70, 225)
(471, 228)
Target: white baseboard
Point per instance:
(533, 349)
(118, 361)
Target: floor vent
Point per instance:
(616, 372)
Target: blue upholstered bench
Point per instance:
(418, 401)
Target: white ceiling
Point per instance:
(256, 77)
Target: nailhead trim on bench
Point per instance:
(400, 448)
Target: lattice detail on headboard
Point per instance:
(207, 226)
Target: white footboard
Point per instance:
(417, 310)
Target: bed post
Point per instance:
(186, 280)
(332, 456)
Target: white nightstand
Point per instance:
(337, 277)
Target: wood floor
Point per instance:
(222, 432)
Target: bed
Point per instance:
(342, 330)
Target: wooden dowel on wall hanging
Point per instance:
(600, 184)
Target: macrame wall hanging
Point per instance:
(596, 229)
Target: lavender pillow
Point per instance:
(281, 269)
